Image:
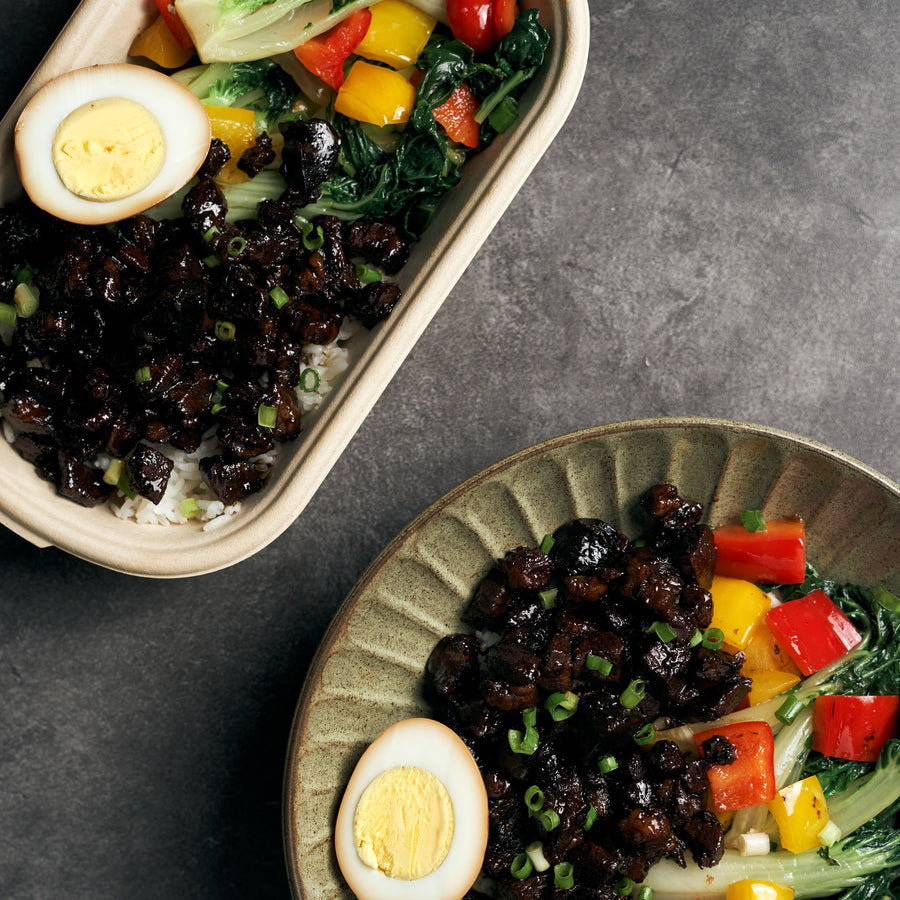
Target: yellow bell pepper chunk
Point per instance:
(800, 811)
(376, 95)
(768, 684)
(237, 128)
(397, 34)
(157, 43)
(738, 606)
(751, 889)
(763, 654)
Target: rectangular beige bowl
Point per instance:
(101, 32)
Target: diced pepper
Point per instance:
(738, 606)
(173, 21)
(813, 630)
(457, 115)
(325, 54)
(750, 778)
(768, 684)
(852, 727)
(774, 556)
(800, 811)
(397, 35)
(157, 43)
(376, 95)
(764, 654)
(237, 128)
(752, 889)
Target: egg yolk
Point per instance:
(108, 149)
(403, 824)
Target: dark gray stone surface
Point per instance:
(715, 232)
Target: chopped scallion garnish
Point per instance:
(623, 887)
(25, 298)
(114, 471)
(309, 380)
(634, 693)
(590, 818)
(521, 867)
(663, 630)
(645, 893)
(7, 314)
(23, 274)
(367, 275)
(696, 638)
(279, 296)
(189, 508)
(789, 710)
(534, 799)
(713, 638)
(561, 705)
(598, 664)
(313, 236)
(547, 543)
(143, 374)
(563, 875)
(548, 598)
(224, 330)
(211, 262)
(645, 734)
(236, 246)
(549, 818)
(266, 416)
(535, 851)
(607, 764)
(210, 233)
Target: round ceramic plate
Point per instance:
(367, 673)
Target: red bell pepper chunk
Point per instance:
(176, 26)
(850, 727)
(774, 556)
(750, 779)
(325, 54)
(812, 630)
(457, 115)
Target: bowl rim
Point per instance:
(435, 509)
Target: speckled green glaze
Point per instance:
(367, 673)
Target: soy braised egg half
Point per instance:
(413, 821)
(102, 143)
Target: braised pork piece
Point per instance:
(589, 641)
(153, 332)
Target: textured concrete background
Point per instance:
(715, 232)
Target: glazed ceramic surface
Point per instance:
(368, 671)
(100, 32)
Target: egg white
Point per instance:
(181, 115)
(432, 746)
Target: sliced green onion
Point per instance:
(279, 296)
(236, 246)
(607, 764)
(529, 716)
(713, 638)
(23, 274)
(367, 275)
(598, 664)
(534, 799)
(548, 598)
(663, 630)
(114, 471)
(216, 408)
(523, 742)
(634, 693)
(142, 375)
(645, 734)
(789, 710)
(221, 386)
(563, 875)
(561, 706)
(210, 233)
(535, 851)
(696, 638)
(590, 818)
(521, 867)
(623, 887)
(124, 484)
(645, 893)
(309, 380)
(224, 330)
(266, 416)
(753, 520)
(25, 298)
(829, 835)
(313, 236)
(189, 508)
(211, 262)
(7, 314)
(547, 543)
(549, 818)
